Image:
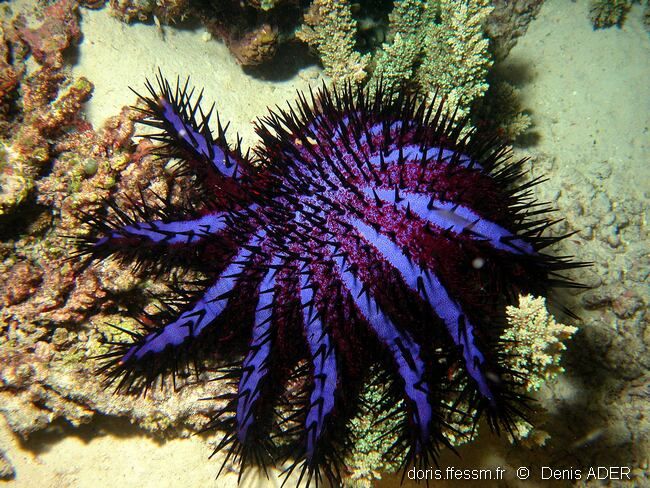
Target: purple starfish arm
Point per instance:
(186, 134)
(459, 327)
(161, 233)
(405, 351)
(197, 142)
(255, 365)
(340, 137)
(323, 358)
(458, 218)
(203, 313)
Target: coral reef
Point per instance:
(253, 31)
(26, 152)
(256, 46)
(501, 112)
(398, 58)
(49, 325)
(369, 429)
(430, 44)
(48, 106)
(457, 53)
(59, 30)
(53, 313)
(534, 343)
(607, 13)
(600, 404)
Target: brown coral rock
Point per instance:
(20, 282)
(256, 47)
(9, 75)
(59, 30)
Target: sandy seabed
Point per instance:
(589, 97)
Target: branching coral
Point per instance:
(48, 107)
(502, 111)
(534, 342)
(330, 29)
(398, 58)
(606, 13)
(373, 435)
(537, 339)
(457, 52)
(431, 44)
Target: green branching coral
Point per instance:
(431, 44)
(369, 429)
(330, 29)
(398, 58)
(534, 342)
(502, 111)
(606, 13)
(457, 59)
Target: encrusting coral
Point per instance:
(508, 21)
(50, 309)
(166, 11)
(48, 106)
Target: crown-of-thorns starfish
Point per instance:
(367, 232)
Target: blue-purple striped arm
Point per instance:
(458, 218)
(410, 152)
(405, 351)
(255, 365)
(159, 232)
(460, 329)
(323, 357)
(184, 131)
(205, 311)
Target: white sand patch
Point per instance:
(114, 56)
(588, 90)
